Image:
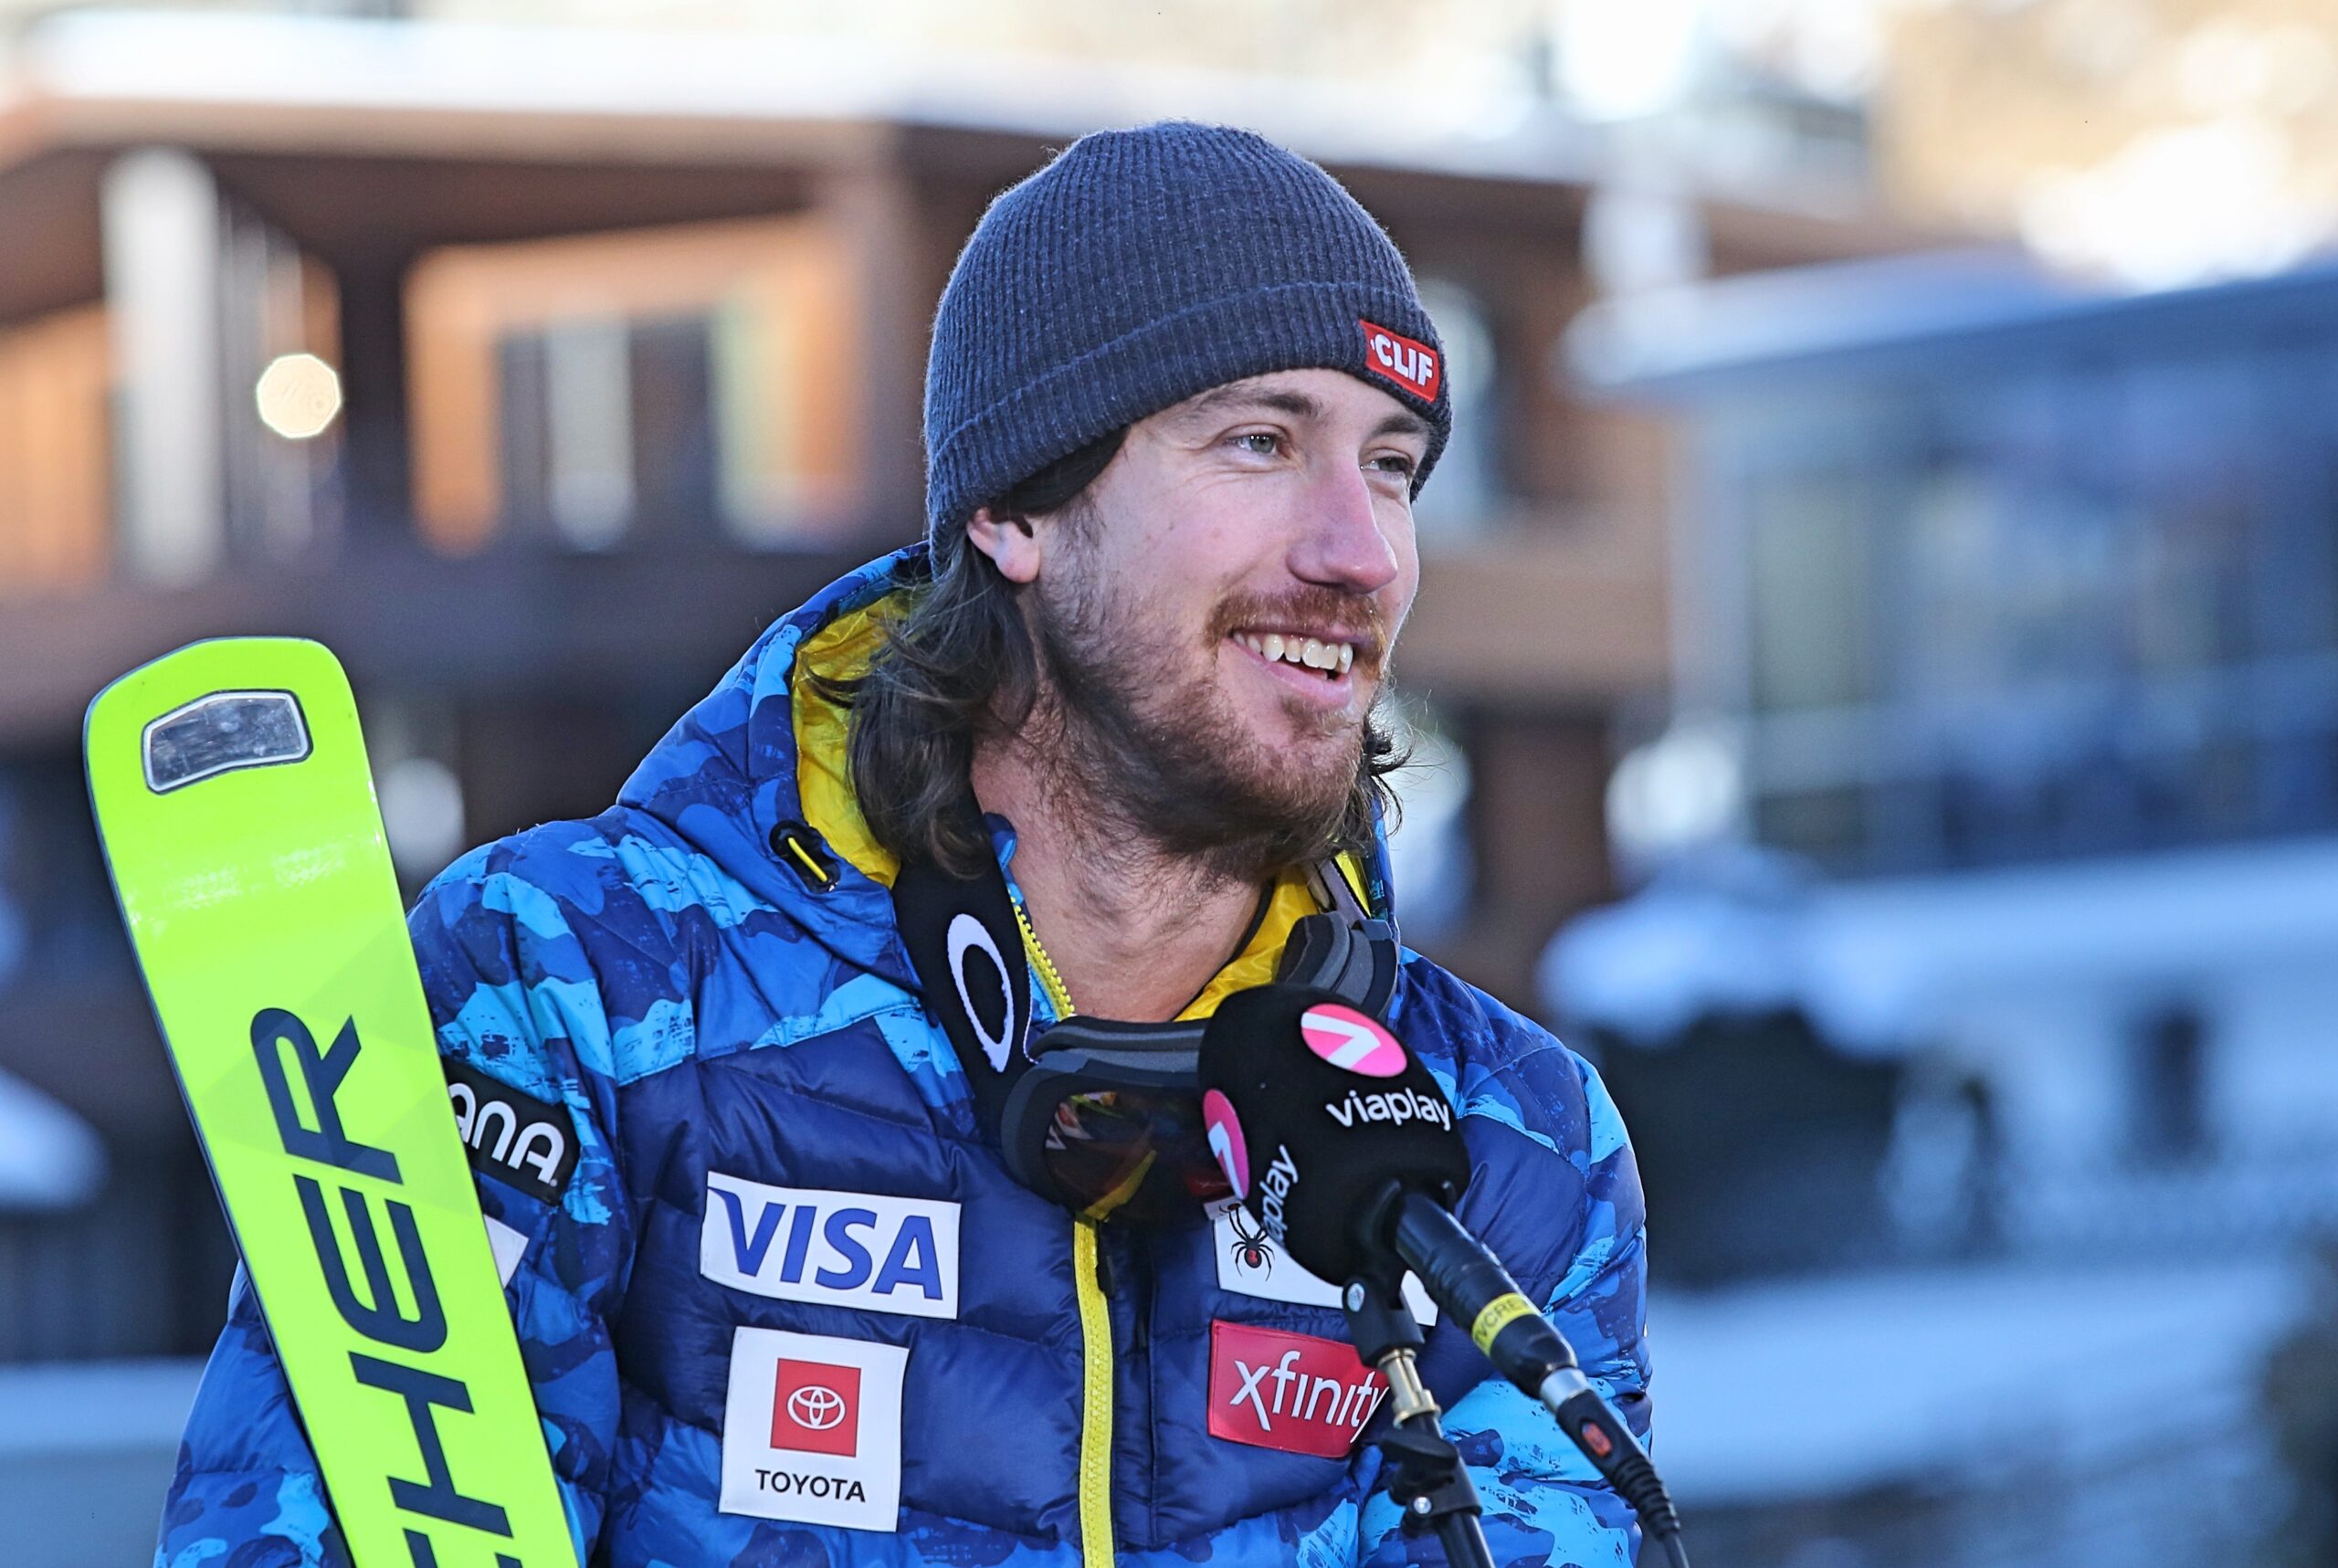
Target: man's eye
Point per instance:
(1395, 463)
(1265, 443)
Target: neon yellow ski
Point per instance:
(237, 814)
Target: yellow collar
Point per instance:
(840, 651)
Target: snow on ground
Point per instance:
(1825, 1388)
(50, 1158)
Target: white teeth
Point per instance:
(1333, 658)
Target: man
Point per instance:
(794, 1302)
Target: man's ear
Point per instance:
(1010, 542)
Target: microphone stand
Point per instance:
(1425, 1476)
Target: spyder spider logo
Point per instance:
(1251, 1249)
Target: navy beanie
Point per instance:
(1142, 268)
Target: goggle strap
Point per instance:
(955, 931)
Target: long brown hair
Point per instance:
(959, 664)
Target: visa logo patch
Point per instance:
(842, 1249)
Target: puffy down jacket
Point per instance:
(787, 1307)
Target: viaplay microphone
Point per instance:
(1343, 1147)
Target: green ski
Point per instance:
(237, 810)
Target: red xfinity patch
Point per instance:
(1391, 356)
(1292, 1392)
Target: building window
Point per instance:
(1810, 574)
(608, 429)
(2054, 607)
(1429, 852)
(56, 454)
(2170, 1091)
(1464, 497)
(604, 388)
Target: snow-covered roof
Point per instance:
(1686, 337)
(50, 1158)
(52, 1410)
(1876, 962)
(1772, 1392)
(482, 89)
(496, 77)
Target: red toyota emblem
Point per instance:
(816, 1408)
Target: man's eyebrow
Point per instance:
(1402, 422)
(1236, 395)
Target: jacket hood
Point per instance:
(753, 776)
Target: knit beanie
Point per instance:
(1142, 268)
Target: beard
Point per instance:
(1136, 731)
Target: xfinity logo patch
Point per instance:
(526, 1142)
(846, 1249)
(1292, 1392)
(1397, 1105)
(812, 1429)
(1250, 1263)
(1407, 361)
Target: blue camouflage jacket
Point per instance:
(782, 1304)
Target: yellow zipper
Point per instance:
(1096, 1403)
(1095, 1326)
(1050, 981)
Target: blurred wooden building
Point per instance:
(535, 372)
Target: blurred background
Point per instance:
(1876, 682)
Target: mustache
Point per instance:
(1310, 608)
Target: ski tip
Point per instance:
(215, 706)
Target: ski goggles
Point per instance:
(1102, 1116)
(1107, 1120)
(1106, 1116)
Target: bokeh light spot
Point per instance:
(299, 394)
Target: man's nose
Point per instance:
(1341, 544)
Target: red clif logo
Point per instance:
(1292, 1392)
(1391, 356)
(816, 1408)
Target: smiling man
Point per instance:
(1213, 614)
(849, 1267)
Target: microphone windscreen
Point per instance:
(1312, 1108)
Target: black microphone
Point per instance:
(1344, 1150)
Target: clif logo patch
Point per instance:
(1409, 362)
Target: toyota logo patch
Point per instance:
(816, 1408)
